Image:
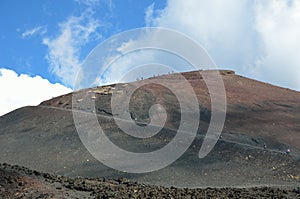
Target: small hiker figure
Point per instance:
(265, 146)
(288, 151)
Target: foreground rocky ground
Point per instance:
(20, 182)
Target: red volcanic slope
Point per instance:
(254, 108)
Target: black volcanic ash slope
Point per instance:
(44, 137)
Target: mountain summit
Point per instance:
(262, 124)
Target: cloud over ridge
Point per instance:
(64, 49)
(23, 90)
(258, 39)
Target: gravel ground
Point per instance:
(20, 182)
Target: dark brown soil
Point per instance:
(20, 182)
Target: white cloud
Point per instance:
(41, 30)
(149, 14)
(278, 24)
(22, 90)
(64, 49)
(122, 57)
(259, 39)
(224, 29)
(88, 2)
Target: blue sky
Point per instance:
(25, 53)
(44, 42)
